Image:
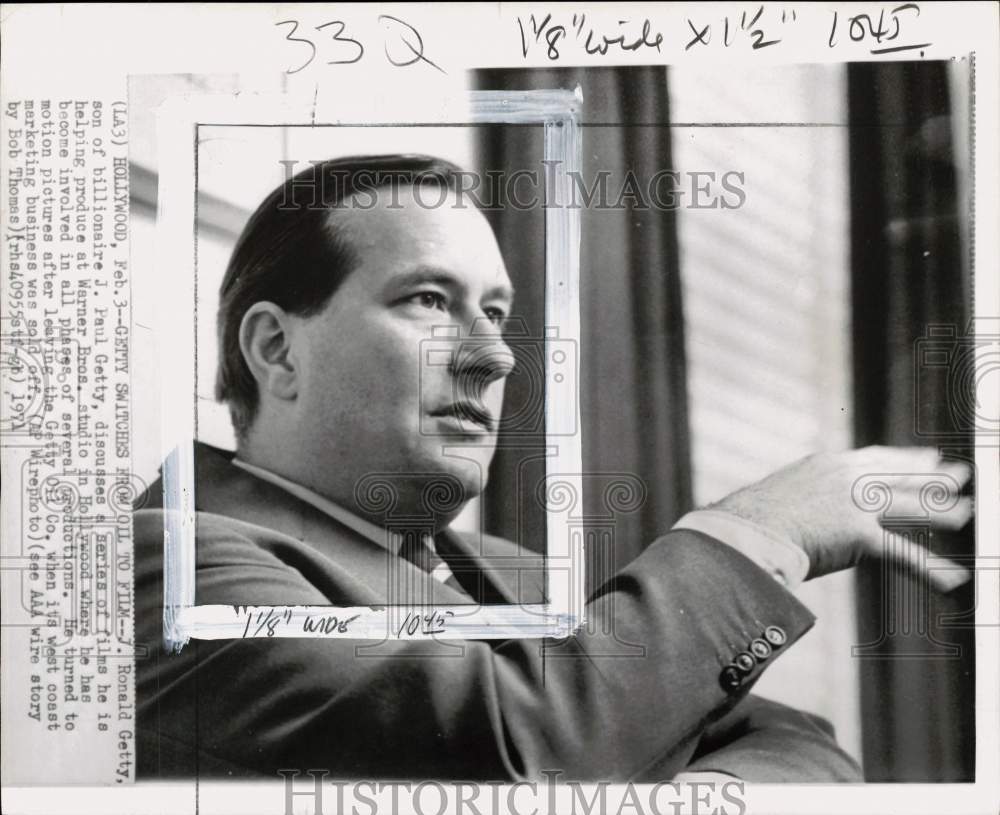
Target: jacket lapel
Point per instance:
(472, 571)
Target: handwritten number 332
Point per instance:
(350, 50)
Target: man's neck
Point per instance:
(391, 501)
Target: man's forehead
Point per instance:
(428, 230)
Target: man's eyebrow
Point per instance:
(502, 292)
(443, 277)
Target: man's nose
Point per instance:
(482, 358)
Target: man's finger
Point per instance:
(953, 474)
(938, 511)
(961, 471)
(946, 575)
(902, 459)
(943, 574)
(956, 517)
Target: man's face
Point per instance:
(369, 402)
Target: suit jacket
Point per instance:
(485, 710)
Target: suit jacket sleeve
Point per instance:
(763, 741)
(479, 710)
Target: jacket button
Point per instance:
(745, 662)
(731, 678)
(760, 649)
(776, 636)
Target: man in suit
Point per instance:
(337, 279)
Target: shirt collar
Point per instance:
(383, 537)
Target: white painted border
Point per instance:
(176, 244)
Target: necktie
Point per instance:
(418, 548)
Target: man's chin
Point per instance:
(463, 473)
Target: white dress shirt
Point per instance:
(779, 557)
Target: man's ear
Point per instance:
(265, 340)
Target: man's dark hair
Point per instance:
(292, 254)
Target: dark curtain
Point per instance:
(911, 307)
(632, 373)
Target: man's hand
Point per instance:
(839, 507)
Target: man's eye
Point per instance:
(430, 299)
(497, 316)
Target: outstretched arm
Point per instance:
(475, 709)
(513, 709)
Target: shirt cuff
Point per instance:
(777, 556)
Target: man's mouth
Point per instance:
(468, 412)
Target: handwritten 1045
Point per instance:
(864, 27)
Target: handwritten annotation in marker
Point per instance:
(334, 44)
